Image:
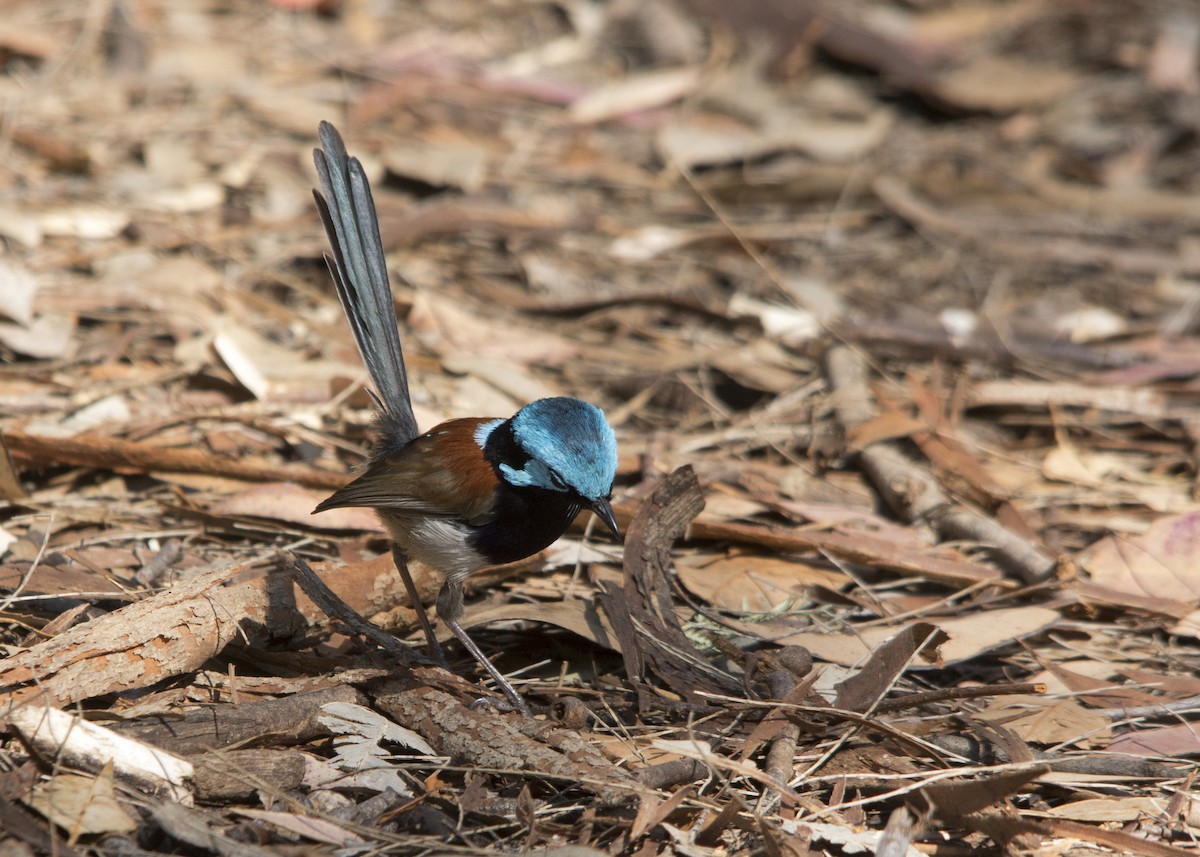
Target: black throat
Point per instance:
(526, 518)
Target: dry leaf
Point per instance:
(446, 326)
(47, 338)
(441, 163)
(970, 635)
(1042, 721)
(633, 93)
(272, 372)
(706, 140)
(1160, 563)
(752, 584)
(1124, 809)
(284, 501)
(18, 285)
(1181, 739)
(84, 221)
(791, 326)
(577, 616)
(1001, 84)
(81, 805)
(310, 827)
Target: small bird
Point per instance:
(469, 492)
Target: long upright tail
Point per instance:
(360, 276)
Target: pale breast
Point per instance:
(439, 543)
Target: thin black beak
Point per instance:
(604, 512)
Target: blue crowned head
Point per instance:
(571, 448)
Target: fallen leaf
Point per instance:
(441, 163)
(577, 616)
(448, 327)
(274, 373)
(970, 635)
(752, 584)
(316, 829)
(47, 338)
(285, 501)
(84, 221)
(1160, 563)
(1122, 809)
(1182, 739)
(1043, 721)
(634, 93)
(1001, 84)
(81, 805)
(18, 285)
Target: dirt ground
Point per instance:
(893, 307)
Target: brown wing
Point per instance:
(441, 474)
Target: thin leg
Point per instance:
(510, 692)
(435, 648)
(450, 608)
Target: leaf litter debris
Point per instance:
(895, 314)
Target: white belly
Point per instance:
(441, 544)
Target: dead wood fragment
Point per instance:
(642, 611)
(68, 740)
(781, 731)
(170, 633)
(143, 643)
(781, 725)
(987, 753)
(486, 739)
(913, 492)
(114, 454)
(673, 773)
(287, 720)
(238, 775)
(913, 700)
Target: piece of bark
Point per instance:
(175, 632)
(278, 722)
(673, 773)
(487, 739)
(238, 775)
(170, 633)
(643, 610)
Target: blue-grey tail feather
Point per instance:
(359, 271)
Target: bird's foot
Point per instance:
(504, 706)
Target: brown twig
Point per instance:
(113, 454)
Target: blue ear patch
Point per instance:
(570, 444)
